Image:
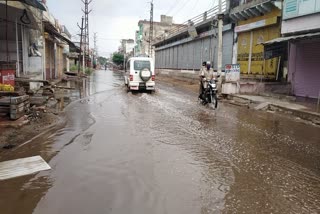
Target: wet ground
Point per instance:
(164, 153)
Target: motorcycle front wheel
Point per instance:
(214, 102)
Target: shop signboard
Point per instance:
(232, 72)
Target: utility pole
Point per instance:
(86, 12)
(220, 43)
(95, 54)
(95, 38)
(124, 49)
(82, 51)
(151, 30)
(7, 43)
(220, 39)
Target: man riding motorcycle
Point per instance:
(205, 74)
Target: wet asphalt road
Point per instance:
(164, 153)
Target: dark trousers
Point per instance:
(201, 90)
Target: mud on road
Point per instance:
(164, 153)
(13, 137)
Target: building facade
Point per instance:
(38, 45)
(256, 22)
(302, 18)
(189, 53)
(127, 47)
(143, 34)
(21, 39)
(57, 42)
(183, 50)
(300, 41)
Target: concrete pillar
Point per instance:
(55, 59)
(235, 49)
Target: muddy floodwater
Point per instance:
(124, 153)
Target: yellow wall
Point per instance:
(275, 12)
(259, 67)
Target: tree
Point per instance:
(102, 60)
(118, 58)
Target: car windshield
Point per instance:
(140, 65)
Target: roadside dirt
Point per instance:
(11, 137)
(189, 85)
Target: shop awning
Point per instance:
(17, 13)
(253, 9)
(278, 47)
(290, 38)
(50, 29)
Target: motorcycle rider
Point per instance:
(206, 74)
(203, 67)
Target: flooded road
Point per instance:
(164, 153)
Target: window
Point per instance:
(140, 65)
(296, 8)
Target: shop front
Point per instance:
(304, 66)
(252, 33)
(303, 62)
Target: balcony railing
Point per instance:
(206, 16)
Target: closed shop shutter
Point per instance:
(162, 59)
(206, 49)
(168, 57)
(180, 56)
(189, 54)
(185, 56)
(214, 52)
(197, 55)
(172, 57)
(227, 48)
(168, 52)
(156, 63)
(306, 78)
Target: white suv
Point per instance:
(140, 74)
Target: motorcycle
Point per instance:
(210, 94)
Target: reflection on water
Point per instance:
(82, 87)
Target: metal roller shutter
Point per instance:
(175, 56)
(227, 48)
(306, 79)
(206, 49)
(197, 62)
(180, 56)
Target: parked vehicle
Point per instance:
(210, 94)
(140, 74)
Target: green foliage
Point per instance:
(118, 58)
(74, 68)
(102, 60)
(88, 71)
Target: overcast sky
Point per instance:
(116, 20)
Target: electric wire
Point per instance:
(172, 7)
(183, 6)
